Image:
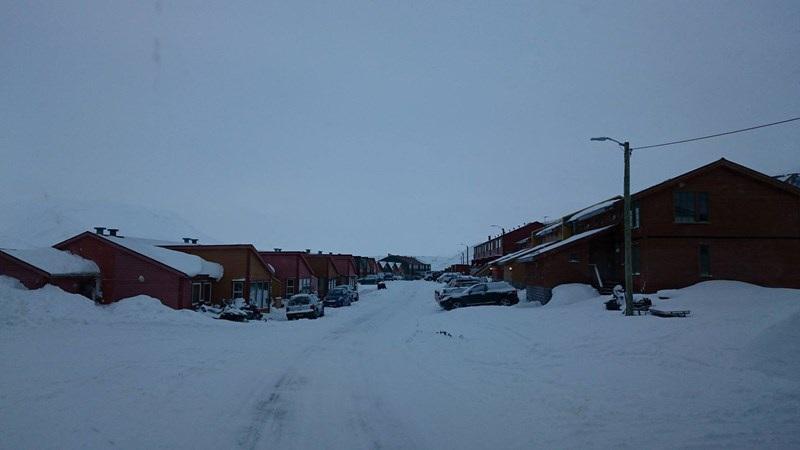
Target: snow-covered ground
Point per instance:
(395, 371)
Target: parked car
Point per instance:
(447, 276)
(370, 279)
(304, 305)
(464, 280)
(338, 296)
(496, 293)
(352, 290)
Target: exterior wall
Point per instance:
(738, 206)
(753, 234)
(121, 271)
(324, 270)
(569, 264)
(668, 263)
(515, 274)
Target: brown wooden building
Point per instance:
(246, 274)
(293, 270)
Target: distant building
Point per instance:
(503, 244)
(293, 270)
(409, 266)
(325, 271)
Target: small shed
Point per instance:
(37, 267)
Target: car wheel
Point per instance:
(505, 301)
(455, 305)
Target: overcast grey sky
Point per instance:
(378, 126)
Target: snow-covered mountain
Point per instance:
(44, 221)
(440, 262)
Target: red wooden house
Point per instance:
(325, 271)
(133, 266)
(345, 265)
(36, 267)
(293, 270)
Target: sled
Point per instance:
(660, 313)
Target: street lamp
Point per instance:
(466, 255)
(627, 223)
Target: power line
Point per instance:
(717, 135)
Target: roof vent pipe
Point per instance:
(100, 230)
(194, 241)
(113, 231)
(187, 240)
(277, 249)
(308, 250)
(319, 252)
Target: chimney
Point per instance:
(100, 230)
(194, 241)
(276, 249)
(187, 240)
(113, 231)
(319, 252)
(308, 250)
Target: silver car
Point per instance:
(304, 305)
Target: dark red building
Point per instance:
(35, 268)
(345, 265)
(293, 270)
(133, 266)
(503, 244)
(722, 221)
(324, 270)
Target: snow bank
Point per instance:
(40, 307)
(568, 294)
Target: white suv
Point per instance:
(304, 305)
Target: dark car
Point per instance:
(497, 293)
(338, 296)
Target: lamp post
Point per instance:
(466, 254)
(626, 147)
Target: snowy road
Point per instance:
(395, 372)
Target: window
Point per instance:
(331, 283)
(691, 207)
(705, 260)
(305, 285)
(238, 289)
(636, 258)
(635, 215)
(289, 286)
(201, 292)
(259, 294)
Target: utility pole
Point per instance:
(626, 218)
(627, 227)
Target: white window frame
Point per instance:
(290, 287)
(234, 283)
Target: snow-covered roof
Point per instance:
(549, 228)
(554, 245)
(593, 210)
(55, 262)
(191, 265)
(518, 254)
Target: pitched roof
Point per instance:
(722, 162)
(184, 263)
(249, 247)
(54, 262)
(545, 248)
(279, 260)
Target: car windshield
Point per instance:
(301, 300)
